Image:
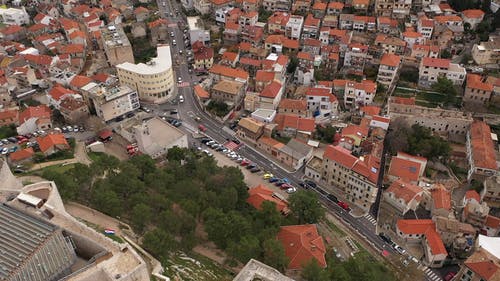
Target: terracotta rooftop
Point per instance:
(57, 92)
(484, 264)
(271, 90)
(390, 60)
(428, 229)
(473, 14)
(436, 62)
(51, 140)
(340, 155)
(475, 81)
(302, 243)
(303, 124)
(447, 18)
(79, 81)
(261, 193)
(441, 197)
(492, 222)
(483, 151)
(200, 92)
(404, 169)
(336, 5)
(405, 190)
(370, 110)
(41, 111)
(293, 104)
(228, 71)
(264, 76)
(22, 154)
(250, 124)
(472, 194)
(271, 142)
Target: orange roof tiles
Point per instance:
(285, 121)
(22, 154)
(340, 155)
(305, 56)
(293, 104)
(158, 22)
(271, 90)
(9, 114)
(311, 21)
(390, 60)
(228, 71)
(200, 92)
(474, 81)
(404, 100)
(336, 5)
(57, 92)
(404, 190)
(483, 151)
(68, 24)
(312, 42)
(271, 142)
(448, 18)
(473, 14)
(264, 76)
(428, 229)
(79, 81)
(41, 111)
(230, 56)
(435, 62)
(72, 49)
(492, 222)
(279, 18)
(441, 197)
(260, 193)
(320, 6)
(370, 110)
(472, 194)
(302, 243)
(204, 53)
(250, 61)
(484, 264)
(404, 169)
(360, 2)
(412, 34)
(290, 43)
(51, 140)
(140, 10)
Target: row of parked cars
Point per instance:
(310, 184)
(282, 183)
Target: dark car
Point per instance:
(235, 141)
(333, 198)
(251, 166)
(130, 115)
(12, 139)
(205, 140)
(279, 183)
(310, 183)
(255, 170)
(271, 180)
(385, 237)
(174, 111)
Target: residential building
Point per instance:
(8, 117)
(481, 152)
(254, 270)
(311, 27)
(34, 118)
(116, 45)
(294, 154)
(58, 93)
(390, 44)
(230, 92)
(439, 202)
(477, 90)
(321, 104)
(74, 110)
(112, 102)
(457, 236)
(276, 5)
(22, 156)
(248, 19)
(359, 93)
(403, 196)
(221, 72)
(11, 16)
(425, 27)
(154, 80)
(352, 136)
(473, 17)
(155, 137)
(482, 265)
(293, 126)
(52, 143)
(491, 226)
(424, 232)
(406, 167)
(487, 52)
(203, 58)
(295, 107)
(197, 31)
(491, 191)
(302, 243)
(388, 69)
(259, 194)
(270, 96)
(264, 115)
(412, 37)
(277, 22)
(431, 69)
(334, 8)
(356, 57)
(474, 211)
(250, 129)
(293, 27)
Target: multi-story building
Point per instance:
(203, 58)
(482, 265)
(197, 31)
(472, 17)
(230, 92)
(116, 45)
(390, 44)
(481, 152)
(276, 5)
(13, 16)
(432, 68)
(311, 27)
(112, 102)
(270, 96)
(425, 27)
(154, 80)
(250, 129)
(440, 121)
(359, 93)
(487, 52)
(491, 191)
(294, 107)
(395, 8)
(334, 8)
(293, 27)
(477, 91)
(388, 69)
(321, 104)
(403, 196)
(276, 23)
(356, 56)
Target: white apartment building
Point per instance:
(154, 81)
(432, 68)
(12, 16)
(197, 31)
(221, 14)
(425, 27)
(112, 102)
(276, 5)
(321, 104)
(293, 27)
(388, 69)
(359, 93)
(202, 6)
(401, 8)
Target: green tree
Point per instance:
(325, 133)
(306, 207)
(176, 154)
(106, 200)
(311, 271)
(141, 215)
(445, 86)
(274, 254)
(8, 131)
(248, 247)
(159, 243)
(445, 54)
(292, 65)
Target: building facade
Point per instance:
(112, 102)
(116, 45)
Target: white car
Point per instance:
(291, 190)
(179, 79)
(399, 249)
(181, 99)
(5, 150)
(207, 152)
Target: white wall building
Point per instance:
(197, 31)
(293, 27)
(155, 137)
(112, 102)
(359, 94)
(432, 68)
(12, 16)
(321, 104)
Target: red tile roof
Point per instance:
(370, 110)
(230, 56)
(200, 92)
(403, 100)
(472, 194)
(271, 142)
(311, 21)
(447, 18)
(260, 193)
(484, 264)
(483, 151)
(336, 5)
(293, 104)
(79, 81)
(441, 197)
(57, 92)
(492, 222)
(303, 124)
(72, 49)
(340, 155)
(428, 229)
(405, 190)
(44, 60)
(473, 14)
(11, 29)
(228, 71)
(9, 114)
(271, 90)
(279, 18)
(390, 60)
(22, 154)
(404, 169)
(320, 6)
(158, 22)
(302, 243)
(204, 53)
(411, 34)
(435, 62)
(250, 61)
(474, 81)
(52, 140)
(41, 111)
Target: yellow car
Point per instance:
(268, 176)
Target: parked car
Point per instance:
(385, 237)
(251, 166)
(343, 205)
(245, 162)
(202, 128)
(333, 198)
(273, 179)
(399, 249)
(267, 176)
(291, 190)
(13, 149)
(5, 150)
(205, 140)
(255, 170)
(207, 152)
(285, 186)
(449, 276)
(12, 139)
(279, 183)
(310, 183)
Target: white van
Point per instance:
(181, 99)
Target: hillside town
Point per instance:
(385, 112)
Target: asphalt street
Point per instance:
(190, 108)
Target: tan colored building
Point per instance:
(295, 107)
(491, 191)
(203, 58)
(431, 69)
(403, 196)
(477, 91)
(112, 102)
(155, 137)
(73, 110)
(230, 92)
(116, 45)
(250, 129)
(388, 69)
(487, 52)
(294, 154)
(153, 81)
(481, 152)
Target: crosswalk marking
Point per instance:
(432, 275)
(183, 84)
(370, 219)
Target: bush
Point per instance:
(219, 108)
(8, 131)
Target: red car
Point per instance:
(449, 276)
(21, 141)
(245, 162)
(285, 186)
(202, 128)
(343, 205)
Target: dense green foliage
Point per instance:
(8, 131)
(218, 108)
(306, 207)
(447, 88)
(325, 133)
